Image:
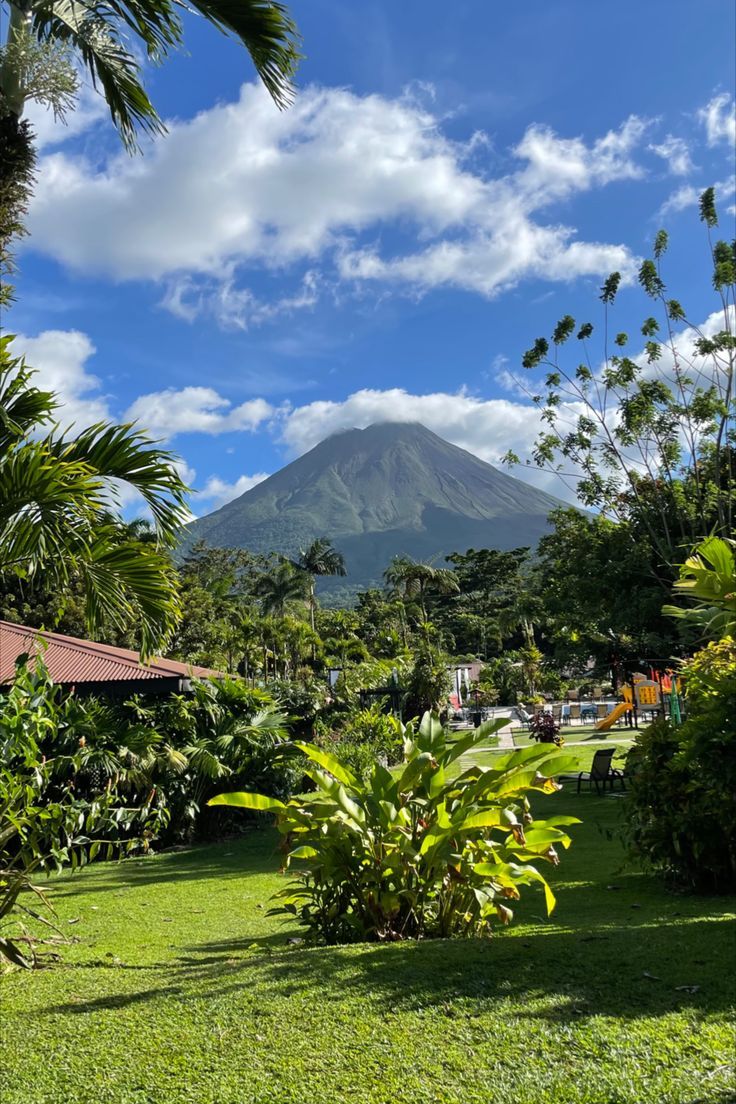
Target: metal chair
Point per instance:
(601, 772)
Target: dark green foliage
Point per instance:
(361, 738)
(682, 804)
(413, 853)
(17, 164)
(80, 777)
(598, 594)
(494, 604)
(428, 683)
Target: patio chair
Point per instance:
(574, 711)
(602, 710)
(524, 717)
(601, 772)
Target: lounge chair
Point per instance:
(601, 772)
(524, 717)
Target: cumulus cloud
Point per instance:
(196, 410)
(242, 185)
(719, 119)
(60, 358)
(486, 427)
(676, 152)
(687, 195)
(50, 131)
(217, 492)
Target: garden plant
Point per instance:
(419, 851)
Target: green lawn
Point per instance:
(181, 989)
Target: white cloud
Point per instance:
(486, 427)
(190, 297)
(218, 491)
(683, 197)
(244, 185)
(60, 358)
(49, 131)
(195, 410)
(676, 152)
(687, 195)
(719, 118)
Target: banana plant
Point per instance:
(708, 579)
(425, 849)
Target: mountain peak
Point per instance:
(387, 489)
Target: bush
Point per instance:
(428, 682)
(683, 781)
(544, 728)
(362, 738)
(416, 852)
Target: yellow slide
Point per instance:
(613, 716)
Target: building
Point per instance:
(90, 668)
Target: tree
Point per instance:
(494, 600)
(44, 37)
(320, 559)
(598, 594)
(55, 517)
(279, 587)
(113, 42)
(414, 580)
(655, 444)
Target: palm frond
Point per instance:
(269, 35)
(90, 30)
(121, 452)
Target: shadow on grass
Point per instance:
(624, 971)
(259, 850)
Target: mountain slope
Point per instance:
(393, 488)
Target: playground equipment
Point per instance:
(617, 712)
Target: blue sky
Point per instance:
(450, 180)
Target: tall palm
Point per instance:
(113, 40)
(320, 559)
(415, 580)
(279, 587)
(55, 518)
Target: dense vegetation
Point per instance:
(412, 853)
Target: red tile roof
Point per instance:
(73, 661)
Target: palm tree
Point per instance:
(280, 586)
(414, 580)
(320, 559)
(112, 40)
(55, 516)
(98, 36)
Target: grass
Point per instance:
(182, 989)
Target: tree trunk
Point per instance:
(17, 164)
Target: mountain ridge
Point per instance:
(391, 488)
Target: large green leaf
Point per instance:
(329, 763)
(244, 800)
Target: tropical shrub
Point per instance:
(682, 803)
(45, 822)
(416, 852)
(361, 738)
(708, 580)
(428, 682)
(545, 729)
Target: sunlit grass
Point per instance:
(182, 989)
